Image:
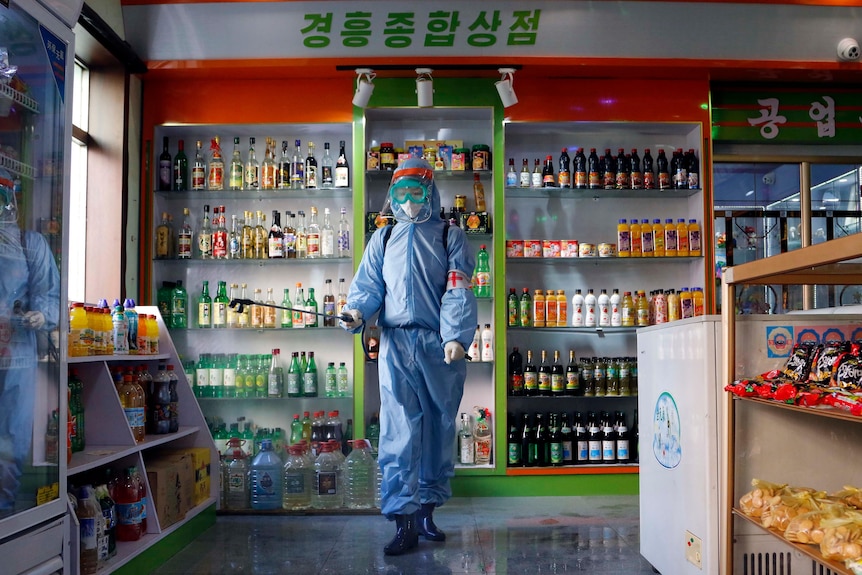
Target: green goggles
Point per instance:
(408, 189)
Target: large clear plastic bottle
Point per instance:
(297, 479)
(265, 478)
(90, 519)
(235, 476)
(327, 491)
(360, 477)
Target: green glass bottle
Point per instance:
(294, 376)
(220, 306)
(179, 306)
(286, 316)
(311, 306)
(230, 376)
(250, 375)
(261, 375)
(205, 304)
(309, 377)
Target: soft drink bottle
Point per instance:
(90, 518)
(265, 478)
(360, 476)
(127, 496)
(483, 273)
(142, 489)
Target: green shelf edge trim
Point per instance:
(544, 485)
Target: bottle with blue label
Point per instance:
(266, 478)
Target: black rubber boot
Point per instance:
(406, 537)
(425, 523)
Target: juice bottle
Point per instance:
(577, 309)
(673, 310)
(698, 299)
(635, 239)
(624, 244)
(153, 332)
(670, 238)
(562, 309)
(77, 327)
(642, 309)
(127, 497)
(590, 305)
(551, 309)
(538, 309)
(686, 304)
(681, 238)
(660, 303)
(694, 239)
(604, 308)
(627, 312)
(512, 306)
(526, 309)
(108, 331)
(658, 238)
(143, 335)
(93, 328)
(616, 311)
(647, 240)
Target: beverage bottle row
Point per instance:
(262, 376)
(217, 312)
(620, 172)
(114, 330)
(659, 240)
(553, 439)
(588, 377)
(550, 308)
(287, 171)
(150, 402)
(482, 348)
(249, 238)
(474, 438)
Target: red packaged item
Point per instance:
(742, 388)
(809, 397)
(844, 401)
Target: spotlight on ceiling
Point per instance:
(424, 88)
(364, 87)
(506, 87)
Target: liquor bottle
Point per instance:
(309, 377)
(544, 383)
(283, 171)
(478, 193)
(244, 317)
(566, 439)
(536, 176)
(594, 440)
(609, 178)
(268, 167)
(327, 237)
(311, 174)
(184, 237)
(294, 378)
(215, 170)
(526, 434)
(181, 169)
(531, 376)
(516, 373)
(648, 170)
(313, 235)
(235, 174)
(328, 305)
(664, 181)
(564, 178)
(483, 274)
(301, 236)
(311, 307)
(165, 167)
(299, 298)
(232, 315)
(199, 176)
(252, 168)
(636, 177)
(220, 239)
(205, 236)
(275, 382)
(582, 446)
(622, 439)
(205, 303)
(256, 311)
(289, 230)
(234, 240)
(327, 169)
(558, 377)
(341, 298)
(594, 176)
(164, 247)
(548, 179)
(524, 177)
(572, 383)
(466, 447)
(247, 241)
(511, 175)
(581, 176)
(261, 237)
(342, 168)
(609, 443)
(286, 314)
(555, 442)
(343, 238)
(513, 457)
(220, 306)
(540, 447)
(269, 312)
(526, 308)
(275, 241)
(297, 168)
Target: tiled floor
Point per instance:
(495, 535)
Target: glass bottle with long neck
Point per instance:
(284, 168)
(220, 238)
(164, 238)
(342, 168)
(341, 298)
(297, 168)
(252, 168)
(301, 237)
(165, 168)
(215, 170)
(328, 305)
(244, 317)
(257, 310)
(232, 315)
(220, 306)
(181, 169)
(234, 240)
(185, 236)
(205, 236)
(313, 235)
(235, 175)
(268, 167)
(310, 173)
(276, 237)
(286, 314)
(269, 312)
(299, 302)
(205, 304)
(261, 237)
(311, 308)
(327, 236)
(199, 176)
(327, 168)
(247, 241)
(343, 238)
(289, 236)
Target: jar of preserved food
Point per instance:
(481, 157)
(387, 156)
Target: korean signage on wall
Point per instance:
(787, 115)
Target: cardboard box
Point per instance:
(171, 481)
(202, 471)
(475, 222)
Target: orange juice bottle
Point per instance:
(538, 309)
(673, 311)
(143, 335)
(153, 333)
(642, 309)
(562, 309)
(551, 309)
(694, 239)
(686, 304)
(94, 326)
(658, 238)
(681, 238)
(698, 299)
(624, 242)
(670, 238)
(647, 240)
(635, 235)
(77, 329)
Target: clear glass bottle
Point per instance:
(283, 175)
(275, 388)
(269, 311)
(252, 168)
(329, 305)
(199, 176)
(215, 170)
(185, 237)
(247, 239)
(301, 236)
(466, 446)
(234, 239)
(297, 168)
(343, 238)
(205, 236)
(235, 174)
(310, 174)
(289, 235)
(341, 298)
(313, 235)
(299, 299)
(327, 236)
(261, 237)
(268, 167)
(327, 168)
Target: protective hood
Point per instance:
(414, 176)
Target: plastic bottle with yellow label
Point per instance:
(694, 238)
(658, 238)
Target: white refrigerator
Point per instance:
(679, 365)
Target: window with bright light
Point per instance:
(77, 217)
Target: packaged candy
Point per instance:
(798, 366)
(824, 359)
(847, 374)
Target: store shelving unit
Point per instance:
(828, 441)
(110, 443)
(591, 216)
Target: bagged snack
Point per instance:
(798, 366)
(781, 509)
(844, 401)
(850, 496)
(842, 537)
(806, 527)
(755, 501)
(854, 566)
(847, 374)
(824, 360)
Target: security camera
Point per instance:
(848, 50)
(769, 179)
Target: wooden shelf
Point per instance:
(812, 551)
(589, 469)
(823, 411)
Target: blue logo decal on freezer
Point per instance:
(55, 50)
(666, 444)
(779, 340)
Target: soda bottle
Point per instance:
(526, 309)
(298, 474)
(548, 179)
(513, 314)
(483, 273)
(648, 171)
(330, 381)
(609, 171)
(265, 478)
(160, 403)
(564, 178)
(132, 400)
(173, 404)
(636, 177)
(127, 497)
(623, 163)
(359, 476)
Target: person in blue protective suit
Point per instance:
(29, 301)
(420, 284)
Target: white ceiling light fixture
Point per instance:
(424, 88)
(364, 87)
(506, 87)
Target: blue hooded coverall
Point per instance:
(419, 393)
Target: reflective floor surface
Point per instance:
(494, 535)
